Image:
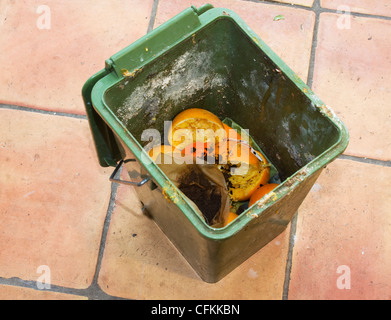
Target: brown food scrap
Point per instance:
(205, 195)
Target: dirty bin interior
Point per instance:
(209, 58)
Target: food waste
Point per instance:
(214, 166)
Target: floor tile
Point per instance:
(343, 239)
(140, 262)
(46, 68)
(378, 7)
(53, 199)
(290, 37)
(20, 293)
(351, 76)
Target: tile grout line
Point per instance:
(383, 163)
(95, 288)
(355, 14)
(31, 284)
(288, 267)
(320, 9)
(311, 67)
(36, 110)
(153, 16)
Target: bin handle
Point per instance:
(129, 183)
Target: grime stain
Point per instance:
(165, 194)
(326, 111)
(171, 194)
(190, 73)
(132, 74)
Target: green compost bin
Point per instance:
(209, 58)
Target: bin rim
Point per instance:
(171, 192)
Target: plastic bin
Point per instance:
(209, 58)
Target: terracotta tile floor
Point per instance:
(65, 226)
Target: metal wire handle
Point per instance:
(128, 183)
